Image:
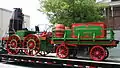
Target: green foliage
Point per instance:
(71, 11)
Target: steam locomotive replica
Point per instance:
(92, 37)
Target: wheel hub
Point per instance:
(13, 43)
(62, 51)
(31, 44)
(97, 53)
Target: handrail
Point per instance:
(109, 32)
(65, 36)
(94, 34)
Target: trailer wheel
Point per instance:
(62, 51)
(13, 43)
(97, 53)
(107, 53)
(31, 45)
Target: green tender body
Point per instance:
(83, 41)
(87, 31)
(23, 33)
(68, 33)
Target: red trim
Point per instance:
(80, 66)
(51, 42)
(49, 63)
(40, 62)
(32, 61)
(90, 23)
(71, 44)
(69, 65)
(112, 44)
(43, 34)
(92, 67)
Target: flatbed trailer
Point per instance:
(81, 63)
(22, 45)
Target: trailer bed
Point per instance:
(61, 62)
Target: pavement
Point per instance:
(3, 65)
(25, 65)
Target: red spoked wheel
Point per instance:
(98, 53)
(106, 53)
(62, 51)
(13, 43)
(31, 45)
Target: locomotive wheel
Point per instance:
(31, 44)
(62, 51)
(13, 43)
(98, 53)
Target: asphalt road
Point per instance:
(3, 65)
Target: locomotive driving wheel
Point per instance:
(31, 45)
(98, 53)
(62, 51)
(13, 43)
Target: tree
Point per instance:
(71, 11)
